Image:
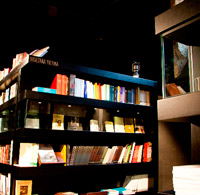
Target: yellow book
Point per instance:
(119, 124)
(95, 91)
(129, 127)
(118, 93)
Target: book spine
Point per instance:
(44, 90)
(57, 84)
(64, 85)
(72, 85)
(112, 93)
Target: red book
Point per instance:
(135, 154)
(64, 85)
(147, 155)
(99, 85)
(57, 84)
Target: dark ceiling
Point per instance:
(107, 34)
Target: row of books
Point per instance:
(8, 94)
(6, 154)
(4, 73)
(22, 57)
(73, 86)
(5, 184)
(33, 154)
(120, 124)
(131, 153)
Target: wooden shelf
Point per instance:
(79, 137)
(57, 170)
(177, 22)
(72, 100)
(182, 108)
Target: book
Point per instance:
(13, 90)
(58, 122)
(117, 154)
(40, 52)
(109, 126)
(137, 95)
(28, 154)
(126, 159)
(94, 125)
(57, 84)
(186, 179)
(131, 96)
(23, 187)
(93, 154)
(147, 153)
(72, 84)
(66, 193)
(73, 155)
(64, 85)
(172, 89)
(132, 152)
(137, 183)
(119, 124)
(74, 124)
(46, 154)
(61, 153)
(33, 123)
(129, 125)
(137, 156)
(44, 90)
(5, 183)
(79, 88)
(122, 155)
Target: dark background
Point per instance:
(106, 34)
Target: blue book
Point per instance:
(44, 90)
(85, 89)
(131, 96)
(112, 93)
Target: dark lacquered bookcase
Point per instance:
(78, 178)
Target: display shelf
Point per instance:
(8, 104)
(85, 137)
(187, 108)
(6, 136)
(4, 168)
(59, 170)
(72, 100)
(41, 72)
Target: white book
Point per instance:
(113, 149)
(89, 89)
(79, 87)
(28, 154)
(122, 155)
(109, 126)
(132, 152)
(47, 154)
(32, 123)
(106, 158)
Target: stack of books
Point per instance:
(186, 179)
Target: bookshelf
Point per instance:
(49, 179)
(178, 111)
